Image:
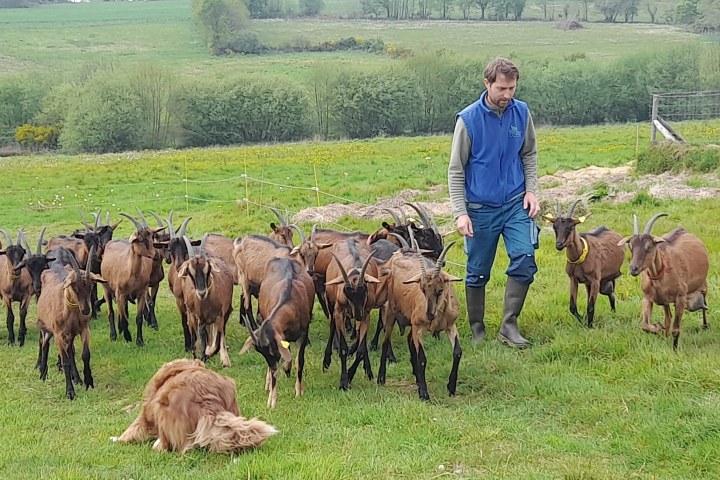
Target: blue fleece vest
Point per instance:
(494, 172)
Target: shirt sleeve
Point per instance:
(528, 155)
(459, 154)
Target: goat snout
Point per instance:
(634, 270)
(201, 293)
(559, 245)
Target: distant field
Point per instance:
(60, 38)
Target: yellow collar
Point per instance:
(583, 255)
(69, 302)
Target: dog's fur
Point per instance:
(187, 406)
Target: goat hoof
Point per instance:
(113, 337)
(89, 383)
(139, 342)
(344, 388)
(70, 395)
(381, 380)
(392, 359)
(425, 397)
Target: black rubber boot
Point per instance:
(515, 294)
(475, 297)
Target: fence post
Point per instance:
(653, 117)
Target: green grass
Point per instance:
(60, 38)
(607, 403)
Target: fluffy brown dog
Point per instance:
(188, 406)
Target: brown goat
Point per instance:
(593, 259)
(189, 406)
(177, 254)
(420, 295)
(282, 233)
(63, 312)
(127, 266)
(285, 303)
(352, 291)
(222, 247)
(673, 270)
(15, 285)
(207, 286)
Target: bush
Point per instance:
(665, 157)
(37, 137)
(246, 43)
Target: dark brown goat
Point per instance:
(282, 233)
(15, 285)
(673, 270)
(285, 303)
(593, 259)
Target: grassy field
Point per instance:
(60, 38)
(607, 403)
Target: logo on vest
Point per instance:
(514, 132)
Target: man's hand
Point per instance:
(464, 225)
(530, 203)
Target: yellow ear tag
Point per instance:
(581, 219)
(285, 344)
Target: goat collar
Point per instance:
(662, 271)
(69, 302)
(583, 255)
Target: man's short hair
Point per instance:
(501, 66)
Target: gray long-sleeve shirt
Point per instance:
(460, 152)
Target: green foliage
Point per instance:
(644, 199)
(20, 100)
(665, 157)
(242, 110)
(244, 43)
(311, 7)
(220, 22)
(35, 137)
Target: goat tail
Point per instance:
(226, 432)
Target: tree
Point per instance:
(610, 9)
(687, 12)
(311, 7)
(652, 9)
(482, 4)
(465, 7)
(220, 21)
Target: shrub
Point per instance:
(665, 156)
(36, 137)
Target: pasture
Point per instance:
(611, 402)
(62, 38)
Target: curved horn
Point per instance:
(394, 216)
(191, 252)
(342, 269)
(422, 267)
(428, 221)
(413, 242)
(651, 222)
(137, 224)
(279, 216)
(157, 219)
(97, 219)
(42, 234)
(300, 232)
(441, 259)
(361, 280)
(171, 229)
(74, 263)
(183, 227)
(402, 240)
(7, 236)
(107, 218)
(202, 244)
(636, 229)
(403, 218)
(572, 208)
(88, 228)
(144, 220)
(558, 213)
(313, 232)
(21, 234)
(91, 256)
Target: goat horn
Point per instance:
(97, 219)
(157, 219)
(300, 232)
(21, 234)
(278, 215)
(394, 216)
(88, 229)
(313, 233)
(202, 244)
(403, 218)
(42, 234)
(364, 268)
(422, 266)
(572, 208)
(144, 220)
(191, 252)
(75, 265)
(137, 224)
(558, 213)
(171, 229)
(636, 229)
(428, 221)
(441, 259)
(183, 227)
(7, 236)
(413, 242)
(107, 218)
(91, 255)
(650, 223)
(402, 240)
(342, 269)
(19, 237)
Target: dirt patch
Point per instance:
(617, 183)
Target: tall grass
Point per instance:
(606, 403)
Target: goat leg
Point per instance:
(328, 348)
(376, 337)
(73, 366)
(69, 389)
(299, 387)
(647, 306)
(186, 332)
(10, 324)
(679, 310)
(420, 364)
(45, 349)
(413, 354)
(139, 319)
(111, 313)
(573, 300)
(202, 330)
(343, 354)
(457, 354)
(592, 293)
(123, 325)
(87, 373)
(608, 289)
(23, 314)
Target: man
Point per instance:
(492, 180)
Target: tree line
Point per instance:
(107, 110)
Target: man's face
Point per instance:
(501, 91)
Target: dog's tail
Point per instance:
(226, 432)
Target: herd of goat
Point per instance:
(398, 270)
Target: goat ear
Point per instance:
(295, 250)
(79, 234)
(549, 217)
(246, 346)
(133, 237)
(370, 279)
(623, 241)
(19, 266)
(335, 281)
(658, 239)
(97, 278)
(582, 219)
(161, 244)
(324, 245)
(214, 265)
(283, 349)
(414, 279)
(450, 278)
(273, 226)
(182, 271)
(384, 271)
